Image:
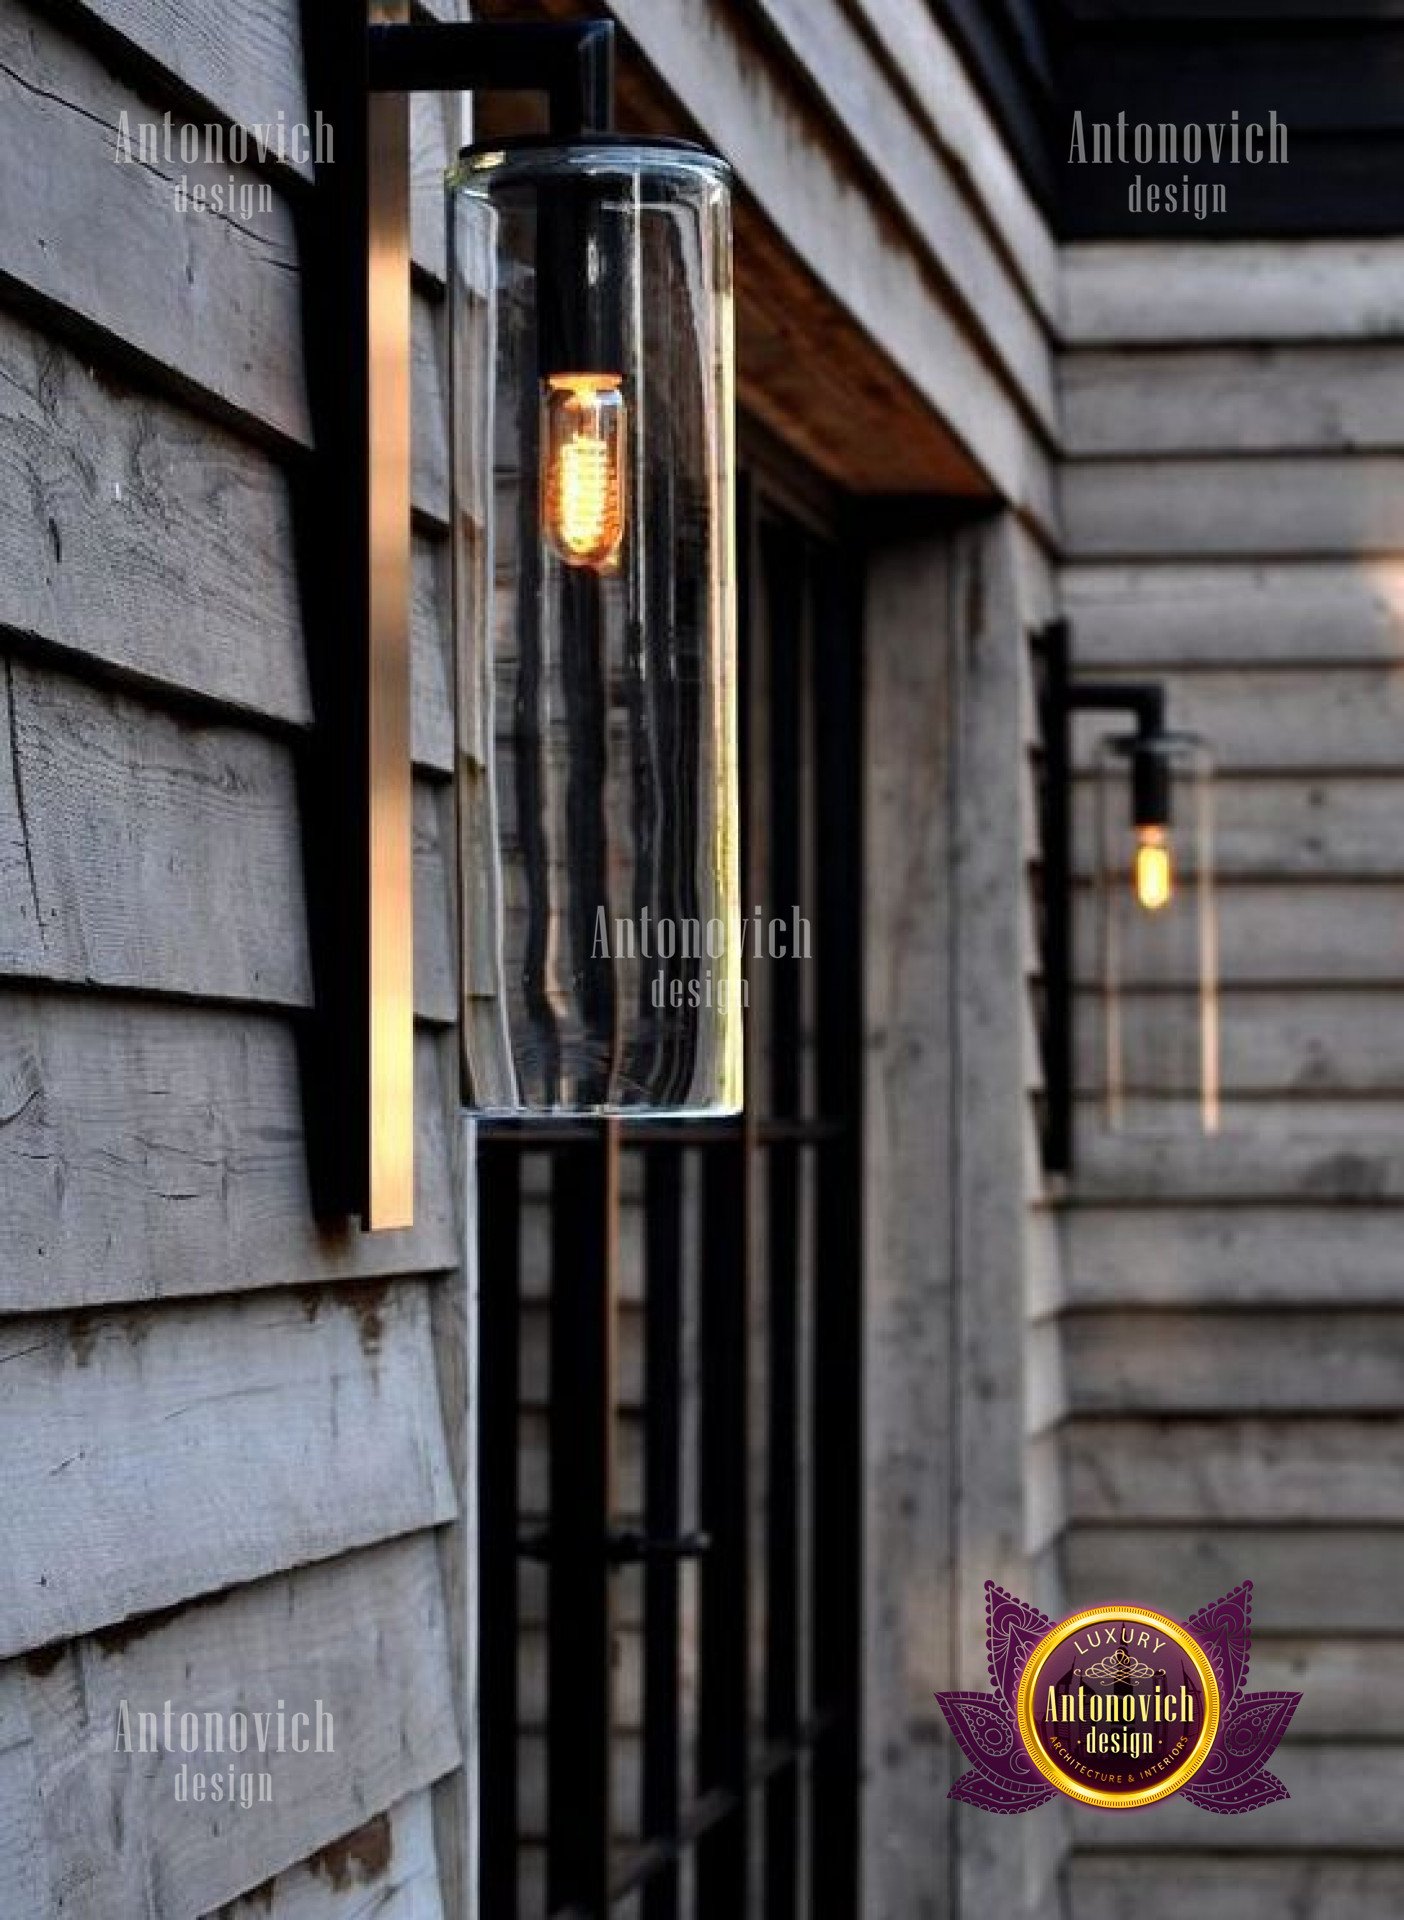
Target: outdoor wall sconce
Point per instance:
(1147, 948)
(594, 596)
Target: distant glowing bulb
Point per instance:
(1154, 872)
(582, 468)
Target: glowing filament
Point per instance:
(1154, 871)
(582, 443)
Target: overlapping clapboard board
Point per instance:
(1233, 1341)
(225, 1457)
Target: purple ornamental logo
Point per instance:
(1118, 1707)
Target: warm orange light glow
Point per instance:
(1155, 871)
(582, 468)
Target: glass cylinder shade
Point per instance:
(593, 526)
(1157, 941)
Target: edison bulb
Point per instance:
(1154, 871)
(582, 468)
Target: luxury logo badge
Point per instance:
(1117, 1707)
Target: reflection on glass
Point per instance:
(594, 614)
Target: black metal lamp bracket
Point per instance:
(359, 338)
(1061, 695)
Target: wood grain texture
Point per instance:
(144, 852)
(1291, 1248)
(1346, 1362)
(386, 1869)
(214, 296)
(1108, 1886)
(1261, 399)
(245, 63)
(1230, 614)
(1218, 292)
(216, 1435)
(1300, 1042)
(1260, 505)
(102, 1830)
(147, 1152)
(830, 50)
(1291, 720)
(140, 537)
(910, 1310)
(1243, 1471)
(1344, 1799)
(158, 853)
(1318, 1581)
(1352, 1157)
(874, 286)
(1287, 933)
(160, 546)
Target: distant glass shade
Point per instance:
(1156, 962)
(594, 604)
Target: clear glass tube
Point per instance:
(1157, 946)
(594, 567)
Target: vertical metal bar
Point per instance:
(782, 566)
(838, 1328)
(724, 1636)
(584, 1297)
(499, 1345)
(389, 933)
(663, 1388)
(1051, 653)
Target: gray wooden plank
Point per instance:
(918, 49)
(160, 545)
(1215, 1887)
(1266, 720)
(1235, 1469)
(213, 296)
(833, 54)
(1230, 613)
(1352, 1689)
(1218, 291)
(908, 1433)
(386, 1869)
(1323, 1580)
(1259, 505)
(786, 164)
(134, 534)
(244, 62)
(1292, 933)
(364, 1635)
(146, 852)
(215, 1435)
(1268, 1163)
(1260, 399)
(1344, 1799)
(1288, 1249)
(1235, 1363)
(150, 1151)
(1338, 827)
(1273, 1041)
(156, 852)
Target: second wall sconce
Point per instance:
(1131, 927)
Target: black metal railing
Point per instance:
(746, 1546)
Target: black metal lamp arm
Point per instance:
(570, 61)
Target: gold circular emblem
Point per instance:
(1118, 1706)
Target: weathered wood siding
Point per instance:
(228, 1478)
(1231, 1336)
